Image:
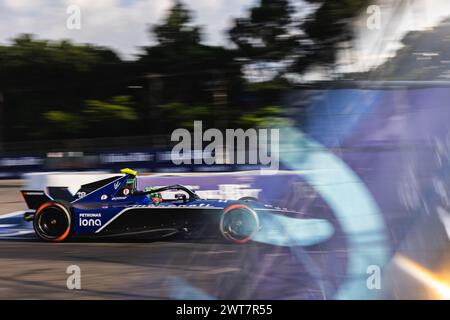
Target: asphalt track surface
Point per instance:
(169, 269)
(155, 270)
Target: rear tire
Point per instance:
(53, 221)
(239, 223)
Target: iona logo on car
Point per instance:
(90, 220)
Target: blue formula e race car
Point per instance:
(114, 207)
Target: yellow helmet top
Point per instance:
(129, 171)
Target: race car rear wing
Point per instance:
(34, 199)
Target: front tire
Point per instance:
(53, 221)
(239, 223)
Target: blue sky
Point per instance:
(120, 24)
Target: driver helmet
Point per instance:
(155, 197)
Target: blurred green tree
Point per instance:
(67, 123)
(37, 74)
(177, 28)
(105, 117)
(179, 76)
(265, 117)
(288, 38)
(188, 71)
(182, 115)
(266, 35)
(327, 28)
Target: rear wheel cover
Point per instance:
(53, 221)
(239, 223)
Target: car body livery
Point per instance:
(113, 207)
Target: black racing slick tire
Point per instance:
(239, 223)
(53, 221)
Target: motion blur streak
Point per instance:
(180, 289)
(352, 203)
(285, 231)
(426, 277)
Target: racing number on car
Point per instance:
(81, 194)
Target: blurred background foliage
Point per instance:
(105, 118)
(64, 90)
(265, 117)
